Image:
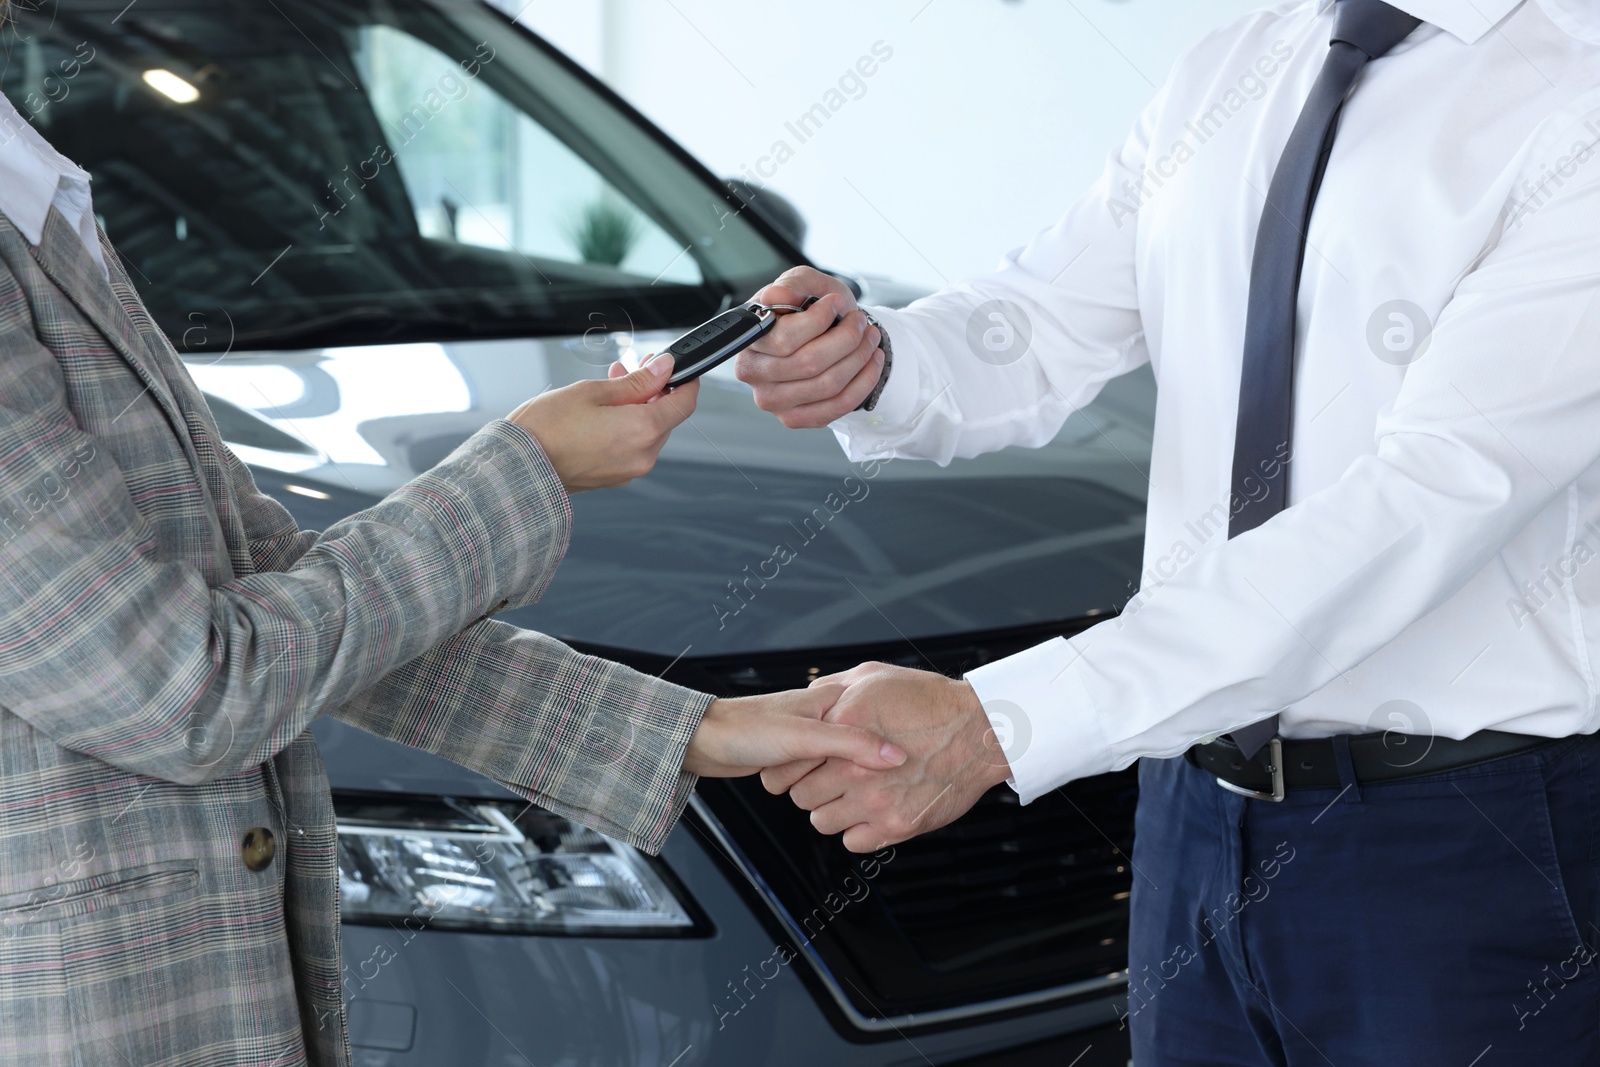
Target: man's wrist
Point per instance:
(992, 767)
(888, 364)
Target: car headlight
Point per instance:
(444, 863)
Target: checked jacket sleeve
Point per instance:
(117, 646)
(581, 736)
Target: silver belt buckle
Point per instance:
(1275, 768)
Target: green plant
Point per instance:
(604, 231)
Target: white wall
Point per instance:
(987, 120)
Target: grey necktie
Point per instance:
(1363, 30)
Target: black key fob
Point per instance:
(717, 341)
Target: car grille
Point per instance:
(1008, 879)
(1005, 902)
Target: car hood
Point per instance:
(747, 536)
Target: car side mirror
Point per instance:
(777, 210)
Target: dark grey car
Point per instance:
(372, 225)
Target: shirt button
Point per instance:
(257, 848)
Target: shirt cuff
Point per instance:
(1043, 717)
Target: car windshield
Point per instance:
(332, 171)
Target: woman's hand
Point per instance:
(599, 434)
(746, 734)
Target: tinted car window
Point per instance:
(492, 177)
(353, 170)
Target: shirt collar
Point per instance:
(1466, 20)
(31, 172)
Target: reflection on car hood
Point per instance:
(747, 536)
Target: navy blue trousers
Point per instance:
(1449, 920)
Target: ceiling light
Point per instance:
(171, 86)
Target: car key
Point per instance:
(721, 338)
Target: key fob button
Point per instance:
(715, 341)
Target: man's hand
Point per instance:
(806, 370)
(953, 758)
(745, 734)
(599, 434)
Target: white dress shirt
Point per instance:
(1438, 569)
(35, 177)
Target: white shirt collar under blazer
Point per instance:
(34, 177)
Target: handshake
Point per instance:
(877, 753)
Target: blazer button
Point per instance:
(257, 848)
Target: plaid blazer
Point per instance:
(166, 636)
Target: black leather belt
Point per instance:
(1314, 764)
